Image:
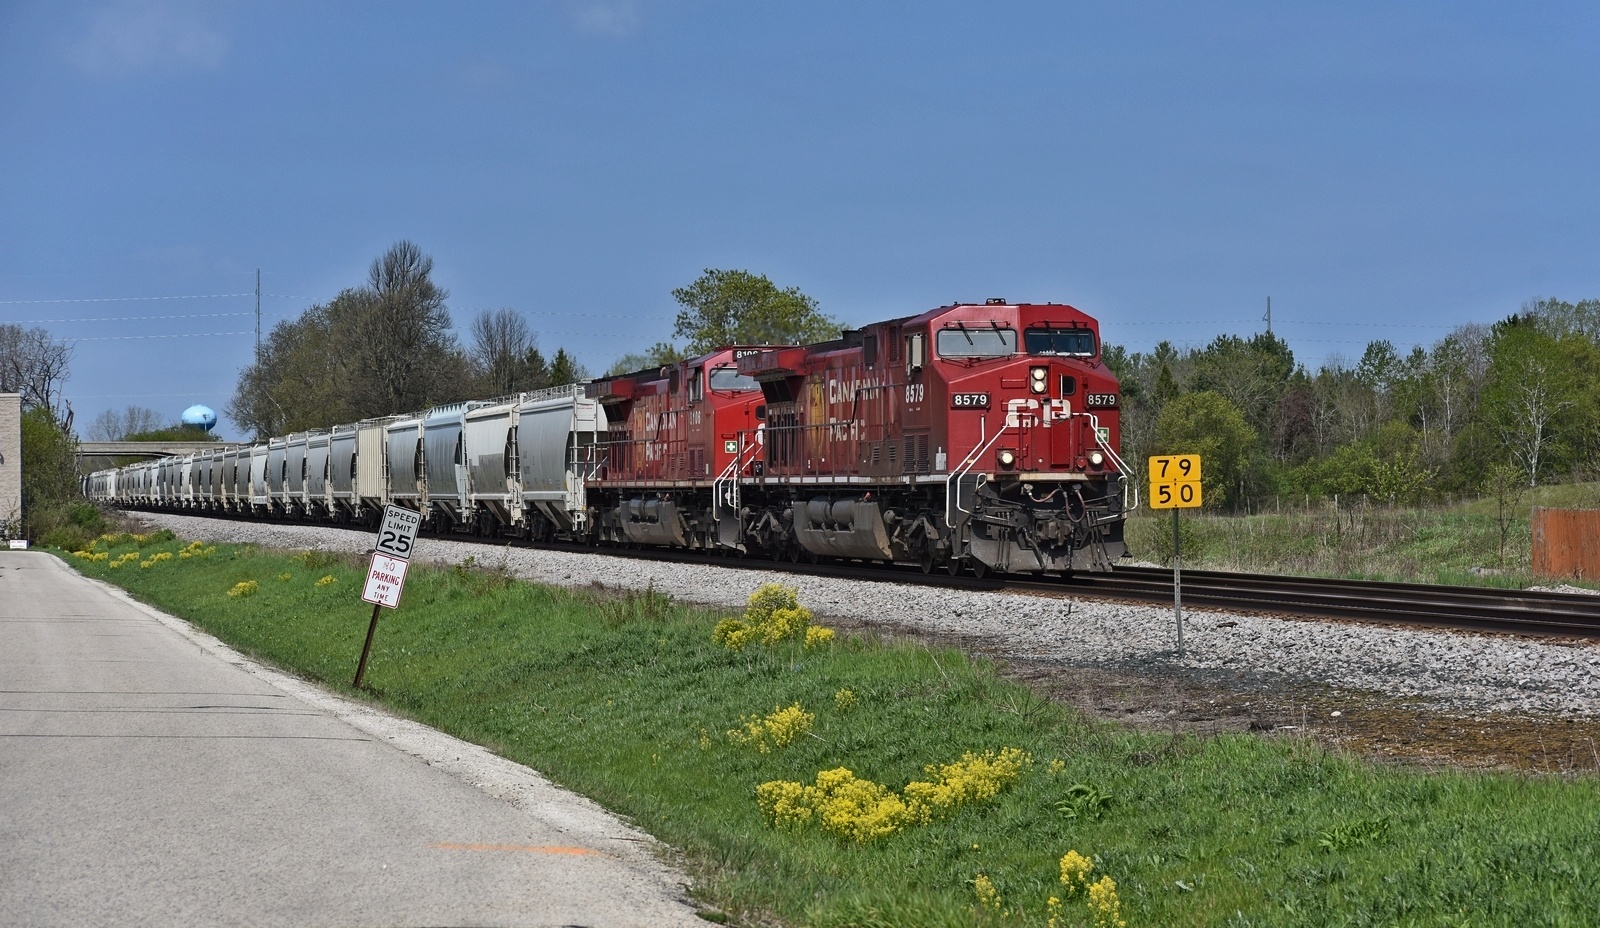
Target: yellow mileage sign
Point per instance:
(1174, 481)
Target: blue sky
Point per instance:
(1380, 170)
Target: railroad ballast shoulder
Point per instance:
(977, 436)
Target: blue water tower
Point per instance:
(200, 417)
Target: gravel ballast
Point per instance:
(1445, 671)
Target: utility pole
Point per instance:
(258, 314)
(258, 310)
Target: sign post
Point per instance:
(386, 576)
(1175, 484)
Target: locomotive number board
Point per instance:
(1100, 400)
(969, 401)
(1175, 481)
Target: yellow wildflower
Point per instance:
(1075, 870)
(1053, 907)
(732, 634)
(773, 615)
(974, 778)
(286, 576)
(784, 803)
(842, 804)
(817, 636)
(861, 810)
(244, 588)
(988, 896)
(845, 699)
(326, 580)
(1104, 904)
(777, 729)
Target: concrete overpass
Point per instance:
(147, 449)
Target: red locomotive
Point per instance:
(974, 435)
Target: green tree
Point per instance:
(1251, 373)
(54, 511)
(1532, 401)
(657, 355)
(724, 308)
(565, 369)
(380, 349)
(1209, 425)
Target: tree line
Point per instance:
(1512, 404)
(389, 346)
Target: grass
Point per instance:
(1459, 543)
(625, 698)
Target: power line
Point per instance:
(135, 299)
(130, 299)
(112, 338)
(129, 318)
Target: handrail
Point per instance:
(952, 486)
(730, 475)
(1122, 466)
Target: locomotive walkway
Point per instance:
(151, 776)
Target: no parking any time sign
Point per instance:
(386, 577)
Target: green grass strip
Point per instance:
(625, 698)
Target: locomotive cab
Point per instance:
(1035, 484)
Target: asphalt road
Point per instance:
(151, 776)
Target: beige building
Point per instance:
(10, 464)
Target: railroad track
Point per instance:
(1482, 609)
(1517, 612)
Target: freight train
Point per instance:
(976, 436)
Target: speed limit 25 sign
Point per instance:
(398, 534)
(1174, 481)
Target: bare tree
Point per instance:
(113, 425)
(33, 364)
(501, 342)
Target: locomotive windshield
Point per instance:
(1074, 342)
(963, 341)
(729, 379)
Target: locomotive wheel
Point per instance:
(926, 561)
(953, 566)
(796, 554)
(979, 569)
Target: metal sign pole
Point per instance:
(366, 649)
(1177, 582)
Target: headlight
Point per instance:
(1038, 379)
(1096, 458)
(1007, 458)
